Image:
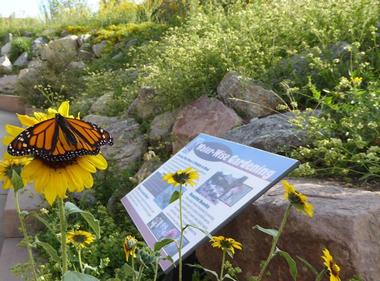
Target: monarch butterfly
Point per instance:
(60, 139)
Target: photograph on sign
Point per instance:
(231, 176)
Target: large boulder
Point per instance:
(250, 99)
(144, 106)
(102, 104)
(205, 115)
(273, 133)
(5, 65)
(22, 60)
(6, 49)
(161, 126)
(129, 144)
(346, 221)
(8, 84)
(37, 45)
(60, 51)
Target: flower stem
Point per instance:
(274, 242)
(222, 266)
(25, 234)
(139, 276)
(156, 270)
(62, 219)
(181, 236)
(80, 260)
(133, 269)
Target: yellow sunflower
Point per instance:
(79, 238)
(331, 266)
(7, 165)
(182, 177)
(54, 178)
(130, 246)
(225, 244)
(297, 199)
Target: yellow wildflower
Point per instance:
(331, 266)
(80, 238)
(226, 244)
(182, 177)
(130, 246)
(297, 199)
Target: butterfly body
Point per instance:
(60, 139)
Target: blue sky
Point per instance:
(28, 8)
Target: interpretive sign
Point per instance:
(231, 177)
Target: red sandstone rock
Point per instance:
(205, 115)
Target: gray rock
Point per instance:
(27, 34)
(272, 133)
(346, 221)
(85, 55)
(65, 33)
(340, 49)
(129, 144)
(118, 56)
(132, 42)
(248, 98)
(98, 48)
(6, 49)
(161, 126)
(204, 115)
(146, 169)
(8, 37)
(8, 84)
(86, 197)
(77, 65)
(102, 104)
(60, 51)
(144, 106)
(5, 65)
(83, 38)
(37, 45)
(22, 60)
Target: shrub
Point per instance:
(345, 138)
(19, 46)
(191, 59)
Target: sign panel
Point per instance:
(231, 177)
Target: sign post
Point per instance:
(231, 177)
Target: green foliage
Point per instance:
(190, 60)
(345, 137)
(20, 45)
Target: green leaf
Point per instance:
(291, 263)
(174, 196)
(162, 243)
(48, 249)
(77, 276)
(45, 222)
(91, 220)
(320, 275)
(308, 265)
(227, 276)
(16, 181)
(270, 231)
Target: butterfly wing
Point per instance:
(60, 139)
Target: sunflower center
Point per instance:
(58, 164)
(225, 244)
(79, 238)
(295, 199)
(181, 178)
